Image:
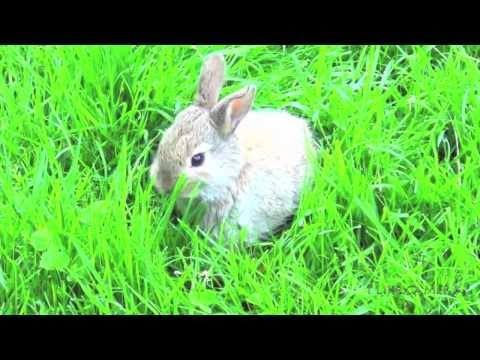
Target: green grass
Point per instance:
(391, 225)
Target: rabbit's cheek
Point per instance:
(200, 174)
(203, 176)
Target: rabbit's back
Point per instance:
(274, 146)
(273, 138)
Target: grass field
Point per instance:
(391, 225)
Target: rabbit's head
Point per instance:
(200, 144)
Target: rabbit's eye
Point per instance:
(198, 159)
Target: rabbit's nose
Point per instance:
(167, 182)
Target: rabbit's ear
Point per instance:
(228, 113)
(211, 81)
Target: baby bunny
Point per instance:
(248, 167)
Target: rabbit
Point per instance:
(249, 167)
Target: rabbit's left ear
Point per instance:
(211, 81)
(228, 113)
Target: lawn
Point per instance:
(390, 225)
